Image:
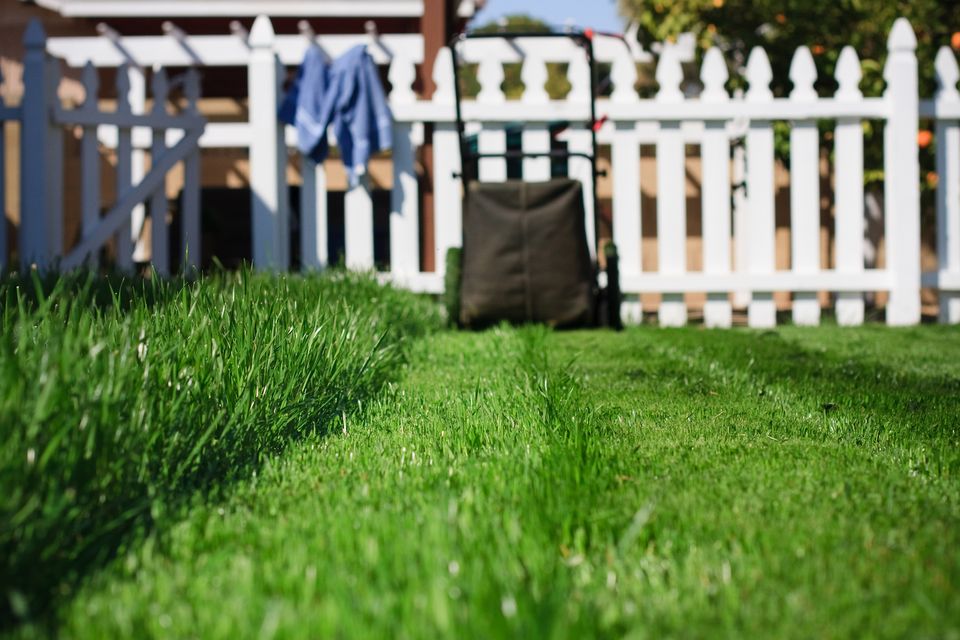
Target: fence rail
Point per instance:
(734, 134)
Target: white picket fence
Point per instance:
(44, 123)
(712, 119)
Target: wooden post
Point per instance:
(435, 25)
(268, 183)
(902, 176)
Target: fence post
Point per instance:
(267, 164)
(902, 176)
(36, 244)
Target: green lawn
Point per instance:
(528, 483)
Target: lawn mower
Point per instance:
(525, 257)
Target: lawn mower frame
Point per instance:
(606, 306)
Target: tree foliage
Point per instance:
(780, 26)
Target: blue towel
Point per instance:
(347, 95)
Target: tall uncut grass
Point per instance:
(119, 400)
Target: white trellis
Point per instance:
(738, 236)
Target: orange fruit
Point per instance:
(924, 138)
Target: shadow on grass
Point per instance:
(92, 289)
(837, 380)
(116, 417)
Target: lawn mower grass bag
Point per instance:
(525, 255)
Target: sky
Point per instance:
(598, 14)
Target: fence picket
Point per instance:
(313, 215)
(447, 188)
(849, 230)
(533, 74)
(671, 191)
(536, 139)
(948, 184)
(159, 230)
(55, 162)
(190, 247)
(402, 73)
(625, 166)
(138, 165)
(124, 239)
(358, 224)
(579, 168)
(490, 77)
(804, 188)
(492, 139)
(623, 75)
(760, 191)
(90, 156)
(902, 176)
(404, 204)
(625, 163)
(715, 193)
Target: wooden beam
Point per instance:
(435, 26)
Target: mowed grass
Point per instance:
(522, 483)
(121, 401)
